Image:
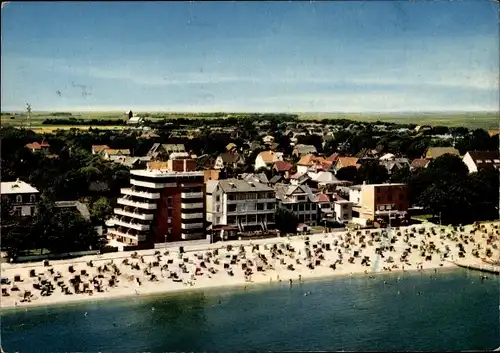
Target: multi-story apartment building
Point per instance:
(299, 199)
(242, 204)
(22, 196)
(165, 203)
(380, 202)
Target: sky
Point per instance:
(344, 56)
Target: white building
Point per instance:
(266, 159)
(242, 204)
(300, 200)
(23, 196)
(477, 160)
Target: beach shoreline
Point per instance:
(348, 243)
(217, 287)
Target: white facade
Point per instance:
(260, 160)
(342, 211)
(355, 195)
(232, 203)
(469, 162)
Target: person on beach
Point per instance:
(291, 282)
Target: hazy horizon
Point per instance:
(338, 57)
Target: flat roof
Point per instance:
(161, 174)
(16, 187)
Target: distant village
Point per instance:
(186, 181)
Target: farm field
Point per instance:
(470, 120)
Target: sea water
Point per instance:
(453, 310)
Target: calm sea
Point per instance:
(454, 311)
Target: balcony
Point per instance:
(196, 235)
(252, 200)
(148, 184)
(192, 195)
(138, 237)
(143, 216)
(192, 226)
(135, 226)
(144, 194)
(190, 206)
(192, 216)
(145, 205)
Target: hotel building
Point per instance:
(165, 203)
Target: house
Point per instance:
(392, 165)
(435, 152)
(477, 160)
(267, 158)
(283, 168)
(254, 177)
(323, 178)
(299, 178)
(132, 162)
(300, 200)
(342, 209)
(42, 147)
(76, 206)
(268, 139)
(419, 163)
(23, 197)
(162, 151)
(96, 149)
(343, 162)
(110, 153)
(229, 158)
(240, 205)
(205, 162)
(310, 162)
(382, 203)
(302, 150)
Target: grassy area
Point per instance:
(48, 129)
(471, 120)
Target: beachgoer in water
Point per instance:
(291, 282)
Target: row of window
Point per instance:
(249, 196)
(231, 220)
(19, 198)
(390, 198)
(301, 206)
(249, 207)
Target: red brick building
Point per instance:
(165, 203)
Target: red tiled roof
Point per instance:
(322, 198)
(419, 163)
(34, 146)
(282, 166)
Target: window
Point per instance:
(231, 197)
(313, 217)
(19, 199)
(231, 208)
(270, 195)
(260, 207)
(301, 207)
(271, 206)
(479, 161)
(17, 211)
(378, 198)
(294, 207)
(170, 200)
(169, 220)
(252, 219)
(308, 207)
(32, 210)
(217, 209)
(231, 220)
(496, 160)
(217, 198)
(488, 161)
(32, 198)
(313, 206)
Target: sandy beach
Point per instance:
(243, 263)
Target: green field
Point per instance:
(471, 120)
